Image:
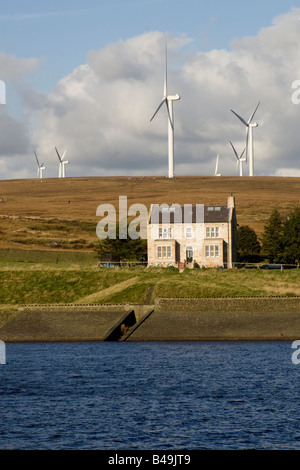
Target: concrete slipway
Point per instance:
(217, 319)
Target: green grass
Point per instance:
(10, 257)
(40, 284)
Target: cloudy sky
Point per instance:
(88, 76)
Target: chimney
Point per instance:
(231, 202)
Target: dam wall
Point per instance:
(182, 319)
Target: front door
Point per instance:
(189, 254)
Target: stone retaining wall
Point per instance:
(229, 304)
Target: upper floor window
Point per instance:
(212, 232)
(188, 232)
(165, 232)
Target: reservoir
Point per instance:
(214, 395)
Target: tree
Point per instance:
(127, 249)
(291, 238)
(272, 246)
(248, 245)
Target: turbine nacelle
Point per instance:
(173, 97)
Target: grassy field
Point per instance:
(37, 285)
(48, 236)
(60, 214)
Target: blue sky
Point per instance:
(50, 51)
(60, 33)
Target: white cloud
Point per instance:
(15, 136)
(101, 111)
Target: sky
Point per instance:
(86, 77)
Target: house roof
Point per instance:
(191, 213)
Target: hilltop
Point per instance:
(61, 213)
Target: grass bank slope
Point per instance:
(109, 285)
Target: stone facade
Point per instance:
(192, 235)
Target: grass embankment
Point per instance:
(50, 285)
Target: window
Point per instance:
(164, 252)
(212, 251)
(165, 232)
(212, 232)
(188, 232)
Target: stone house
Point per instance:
(195, 235)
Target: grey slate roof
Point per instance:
(192, 213)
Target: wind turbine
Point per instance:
(240, 159)
(168, 100)
(249, 139)
(40, 167)
(62, 163)
(217, 167)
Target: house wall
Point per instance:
(213, 244)
(198, 241)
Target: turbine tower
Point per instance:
(62, 163)
(240, 159)
(249, 139)
(217, 167)
(168, 100)
(41, 167)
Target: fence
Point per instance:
(266, 266)
(134, 264)
(122, 264)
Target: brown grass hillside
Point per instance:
(38, 213)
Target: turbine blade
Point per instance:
(36, 158)
(240, 118)
(217, 164)
(58, 154)
(247, 136)
(235, 152)
(166, 75)
(169, 114)
(64, 154)
(253, 113)
(162, 102)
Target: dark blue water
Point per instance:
(149, 396)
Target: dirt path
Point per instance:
(105, 293)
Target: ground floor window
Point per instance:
(212, 251)
(164, 252)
